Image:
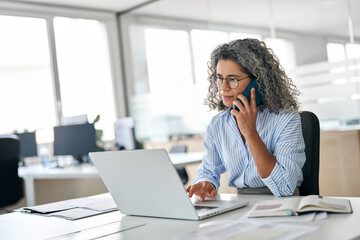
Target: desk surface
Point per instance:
(88, 170)
(336, 226)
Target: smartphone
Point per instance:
(247, 93)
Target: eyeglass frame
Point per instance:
(228, 80)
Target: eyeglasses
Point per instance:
(232, 82)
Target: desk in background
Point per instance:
(84, 171)
(335, 226)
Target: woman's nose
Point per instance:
(225, 85)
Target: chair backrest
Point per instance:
(311, 133)
(11, 186)
(179, 149)
(182, 148)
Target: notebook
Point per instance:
(293, 206)
(145, 183)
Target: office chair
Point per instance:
(181, 171)
(311, 134)
(11, 186)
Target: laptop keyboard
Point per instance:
(200, 209)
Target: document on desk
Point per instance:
(75, 208)
(85, 202)
(47, 208)
(75, 213)
(101, 204)
(246, 230)
(99, 231)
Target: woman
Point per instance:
(261, 147)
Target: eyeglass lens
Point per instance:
(231, 82)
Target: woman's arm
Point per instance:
(282, 170)
(208, 177)
(246, 122)
(211, 166)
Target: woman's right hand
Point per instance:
(202, 189)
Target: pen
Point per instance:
(289, 213)
(26, 210)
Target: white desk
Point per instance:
(30, 174)
(336, 226)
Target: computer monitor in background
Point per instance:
(28, 146)
(79, 119)
(125, 134)
(76, 140)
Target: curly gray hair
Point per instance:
(255, 59)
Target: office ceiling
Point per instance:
(324, 17)
(106, 5)
(328, 17)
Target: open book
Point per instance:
(295, 205)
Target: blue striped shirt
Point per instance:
(226, 151)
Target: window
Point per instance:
(352, 51)
(335, 52)
(284, 50)
(338, 52)
(84, 71)
(168, 54)
(234, 36)
(204, 42)
(161, 112)
(26, 92)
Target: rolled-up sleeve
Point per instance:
(211, 167)
(290, 157)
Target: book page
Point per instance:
(311, 200)
(319, 203)
(276, 207)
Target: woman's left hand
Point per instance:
(246, 116)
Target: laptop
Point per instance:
(146, 183)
